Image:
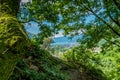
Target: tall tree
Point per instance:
(12, 37)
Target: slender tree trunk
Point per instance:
(12, 37)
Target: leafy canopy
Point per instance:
(96, 19)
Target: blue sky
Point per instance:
(32, 27)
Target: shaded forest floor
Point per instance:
(40, 65)
(76, 71)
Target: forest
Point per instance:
(28, 56)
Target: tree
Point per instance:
(46, 43)
(69, 15)
(13, 37)
(72, 15)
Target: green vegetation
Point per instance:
(12, 39)
(96, 58)
(102, 66)
(38, 64)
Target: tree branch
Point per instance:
(112, 42)
(102, 21)
(117, 4)
(115, 21)
(110, 16)
(106, 23)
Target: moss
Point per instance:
(7, 64)
(9, 7)
(13, 38)
(11, 32)
(13, 41)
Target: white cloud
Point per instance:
(60, 34)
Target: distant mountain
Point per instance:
(66, 41)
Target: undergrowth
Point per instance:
(38, 64)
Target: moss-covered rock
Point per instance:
(13, 41)
(11, 32)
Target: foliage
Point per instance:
(103, 65)
(46, 43)
(38, 64)
(102, 31)
(71, 16)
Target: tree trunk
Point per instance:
(12, 37)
